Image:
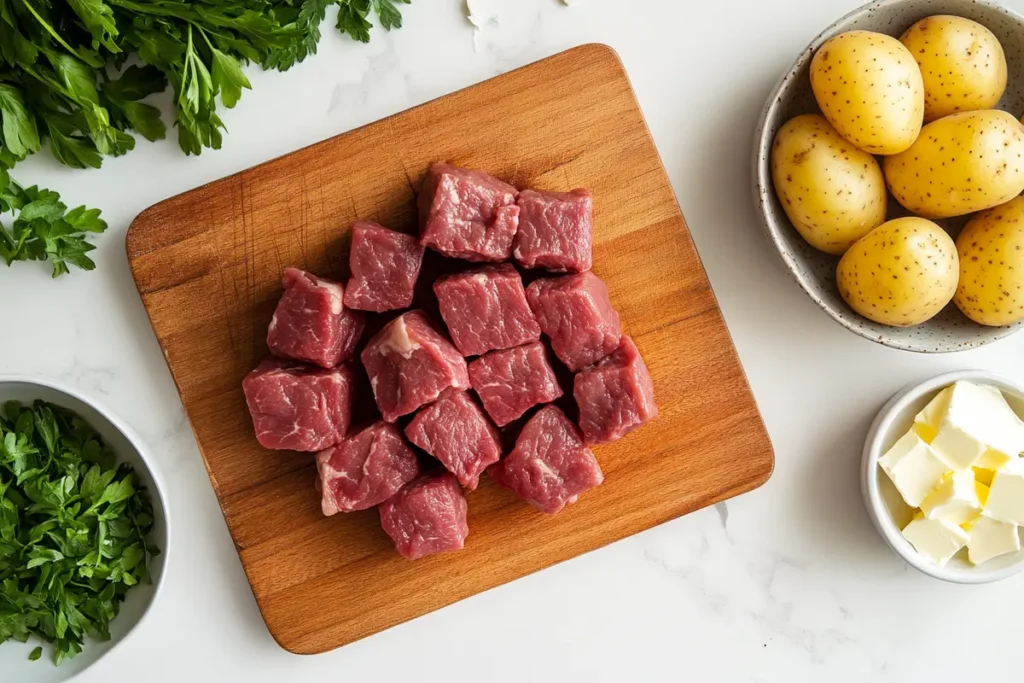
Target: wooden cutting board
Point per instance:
(208, 263)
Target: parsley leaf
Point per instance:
(73, 531)
(20, 134)
(43, 228)
(389, 15)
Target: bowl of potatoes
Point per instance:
(889, 167)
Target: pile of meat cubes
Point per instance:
(421, 372)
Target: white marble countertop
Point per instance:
(787, 583)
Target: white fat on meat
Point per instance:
(399, 341)
(337, 296)
(545, 471)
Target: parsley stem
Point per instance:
(56, 36)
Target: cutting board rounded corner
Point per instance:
(133, 238)
(768, 467)
(597, 51)
(290, 642)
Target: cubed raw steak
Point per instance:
(365, 470)
(549, 466)
(311, 322)
(297, 407)
(427, 516)
(554, 230)
(575, 313)
(467, 214)
(454, 430)
(486, 309)
(615, 395)
(511, 381)
(385, 265)
(410, 363)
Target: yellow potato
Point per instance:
(962, 163)
(991, 249)
(833, 193)
(962, 64)
(901, 273)
(869, 87)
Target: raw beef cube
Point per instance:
(296, 407)
(615, 395)
(549, 466)
(467, 214)
(385, 265)
(554, 230)
(410, 363)
(486, 309)
(311, 322)
(454, 430)
(428, 516)
(575, 313)
(511, 381)
(365, 470)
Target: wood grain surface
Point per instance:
(208, 264)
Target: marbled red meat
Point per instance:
(574, 311)
(615, 395)
(384, 265)
(554, 230)
(296, 407)
(485, 309)
(311, 322)
(365, 469)
(455, 430)
(511, 381)
(410, 363)
(467, 214)
(428, 516)
(549, 466)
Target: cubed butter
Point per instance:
(992, 460)
(990, 538)
(927, 422)
(955, 500)
(1006, 498)
(983, 476)
(913, 467)
(976, 419)
(935, 539)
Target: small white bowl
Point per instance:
(885, 506)
(14, 664)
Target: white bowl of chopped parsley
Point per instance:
(83, 531)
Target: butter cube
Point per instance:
(956, 499)
(977, 418)
(992, 460)
(913, 467)
(935, 539)
(983, 475)
(928, 421)
(989, 538)
(1006, 498)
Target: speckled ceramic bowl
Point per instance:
(814, 270)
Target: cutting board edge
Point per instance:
(140, 222)
(726, 494)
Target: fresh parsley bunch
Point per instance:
(74, 530)
(64, 79)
